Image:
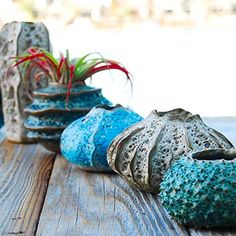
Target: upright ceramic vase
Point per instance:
(200, 189)
(86, 140)
(142, 153)
(49, 114)
(15, 39)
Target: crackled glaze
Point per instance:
(85, 141)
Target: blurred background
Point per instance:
(181, 53)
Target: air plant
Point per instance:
(63, 70)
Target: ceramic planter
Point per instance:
(15, 39)
(49, 115)
(86, 140)
(143, 152)
(200, 190)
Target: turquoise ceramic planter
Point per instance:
(200, 190)
(49, 115)
(85, 141)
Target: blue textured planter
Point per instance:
(49, 115)
(200, 189)
(85, 141)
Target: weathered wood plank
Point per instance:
(85, 203)
(24, 174)
(226, 125)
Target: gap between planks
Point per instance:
(78, 202)
(84, 203)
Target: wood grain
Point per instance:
(86, 203)
(24, 174)
(78, 202)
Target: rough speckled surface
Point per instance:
(15, 39)
(142, 153)
(202, 193)
(85, 141)
(50, 115)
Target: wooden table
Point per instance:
(42, 194)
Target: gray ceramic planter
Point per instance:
(142, 153)
(200, 189)
(15, 39)
(49, 115)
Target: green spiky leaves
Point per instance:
(64, 70)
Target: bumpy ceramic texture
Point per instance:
(49, 115)
(15, 39)
(202, 193)
(143, 152)
(86, 140)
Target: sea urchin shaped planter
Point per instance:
(201, 190)
(49, 114)
(143, 152)
(85, 141)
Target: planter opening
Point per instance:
(216, 154)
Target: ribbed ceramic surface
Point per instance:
(200, 190)
(142, 153)
(49, 114)
(85, 141)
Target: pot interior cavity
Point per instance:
(217, 154)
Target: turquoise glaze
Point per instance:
(49, 114)
(200, 190)
(85, 141)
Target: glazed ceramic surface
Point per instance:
(142, 153)
(15, 39)
(200, 190)
(49, 114)
(86, 140)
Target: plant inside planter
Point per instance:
(67, 97)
